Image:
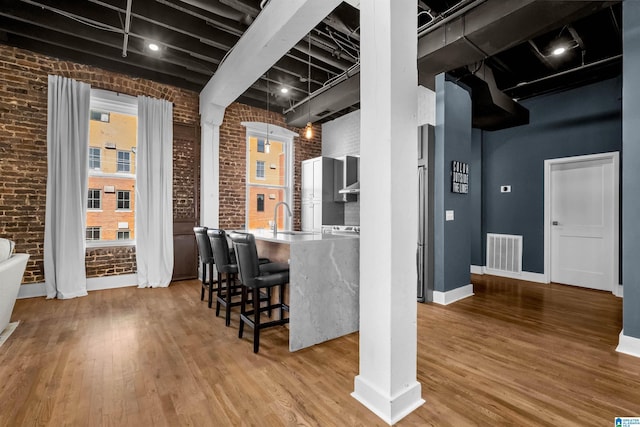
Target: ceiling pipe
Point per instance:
(565, 72)
(242, 7)
(332, 83)
(215, 7)
(127, 26)
(444, 17)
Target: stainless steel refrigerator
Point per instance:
(424, 256)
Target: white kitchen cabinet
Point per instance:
(317, 195)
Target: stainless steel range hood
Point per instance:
(348, 184)
(351, 189)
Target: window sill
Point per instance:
(124, 210)
(109, 243)
(95, 210)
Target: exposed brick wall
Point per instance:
(110, 261)
(23, 149)
(233, 161)
(186, 173)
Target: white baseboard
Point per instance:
(390, 408)
(448, 297)
(618, 291)
(112, 282)
(628, 345)
(33, 290)
(477, 269)
(525, 275)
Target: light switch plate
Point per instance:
(505, 189)
(449, 215)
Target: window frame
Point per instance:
(274, 133)
(258, 163)
(93, 229)
(89, 199)
(123, 231)
(259, 202)
(91, 159)
(119, 162)
(127, 200)
(112, 102)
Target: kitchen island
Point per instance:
(324, 282)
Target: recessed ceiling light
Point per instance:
(559, 50)
(284, 90)
(153, 47)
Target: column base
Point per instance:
(390, 409)
(628, 345)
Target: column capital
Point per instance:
(211, 114)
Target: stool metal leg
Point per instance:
(243, 307)
(256, 321)
(220, 289)
(227, 317)
(210, 275)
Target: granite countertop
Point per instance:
(298, 236)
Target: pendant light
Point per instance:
(308, 132)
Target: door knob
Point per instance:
(555, 223)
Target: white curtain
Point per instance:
(154, 193)
(67, 148)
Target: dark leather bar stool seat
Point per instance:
(254, 278)
(205, 253)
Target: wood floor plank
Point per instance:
(515, 353)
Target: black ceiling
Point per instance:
(195, 35)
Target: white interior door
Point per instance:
(582, 227)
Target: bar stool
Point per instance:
(206, 258)
(254, 278)
(226, 265)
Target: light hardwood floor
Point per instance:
(519, 354)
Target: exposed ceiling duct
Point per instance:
(478, 30)
(491, 108)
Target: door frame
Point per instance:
(615, 160)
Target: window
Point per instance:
(266, 186)
(123, 200)
(113, 138)
(94, 158)
(93, 233)
(100, 116)
(124, 161)
(124, 235)
(260, 200)
(260, 145)
(94, 199)
(259, 169)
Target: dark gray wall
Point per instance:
(631, 169)
(581, 121)
(475, 194)
(452, 239)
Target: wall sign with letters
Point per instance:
(459, 177)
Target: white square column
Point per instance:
(211, 117)
(388, 209)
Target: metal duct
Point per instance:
(491, 27)
(491, 108)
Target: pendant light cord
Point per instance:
(309, 77)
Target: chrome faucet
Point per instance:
(275, 216)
